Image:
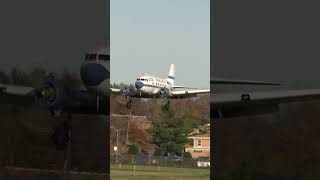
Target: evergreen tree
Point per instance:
(169, 133)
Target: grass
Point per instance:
(126, 172)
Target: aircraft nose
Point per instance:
(94, 74)
(139, 85)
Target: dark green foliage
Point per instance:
(187, 155)
(133, 149)
(192, 121)
(169, 133)
(158, 152)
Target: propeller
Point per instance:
(165, 92)
(128, 91)
(45, 94)
(51, 95)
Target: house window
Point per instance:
(199, 142)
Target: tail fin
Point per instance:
(172, 74)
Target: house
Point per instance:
(199, 146)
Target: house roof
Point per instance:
(200, 135)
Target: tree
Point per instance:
(70, 79)
(187, 155)
(133, 149)
(169, 133)
(19, 77)
(4, 78)
(192, 121)
(137, 135)
(158, 152)
(37, 76)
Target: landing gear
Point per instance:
(166, 104)
(62, 134)
(129, 102)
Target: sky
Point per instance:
(146, 36)
(271, 40)
(54, 34)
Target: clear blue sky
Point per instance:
(149, 35)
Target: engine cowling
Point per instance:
(53, 94)
(165, 92)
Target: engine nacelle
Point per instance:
(165, 92)
(54, 94)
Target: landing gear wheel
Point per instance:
(61, 135)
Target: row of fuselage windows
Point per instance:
(93, 57)
(153, 83)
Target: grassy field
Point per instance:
(128, 172)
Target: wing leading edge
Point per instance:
(188, 93)
(240, 82)
(241, 104)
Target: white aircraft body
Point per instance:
(148, 86)
(58, 97)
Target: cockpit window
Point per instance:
(138, 79)
(104, 57)
(91, 57)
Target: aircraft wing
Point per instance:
(16, 94)
(115, 90)
(183, 87)
(243, 82)
(188, 93)
(238, 104)
(15, 90)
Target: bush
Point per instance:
(158, 152)
(133, 149)
(187, 155)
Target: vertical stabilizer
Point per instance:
(172, 74)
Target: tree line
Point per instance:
(17, 76)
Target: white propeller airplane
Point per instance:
(60, 98)
(148, 86)
(224, 105)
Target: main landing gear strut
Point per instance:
(129, 102)
(62, 133)
(166, 104)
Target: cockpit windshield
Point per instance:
(104, 57)
(91, 57)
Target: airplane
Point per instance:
(149, 86)
(237, 104)
(61, 99)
